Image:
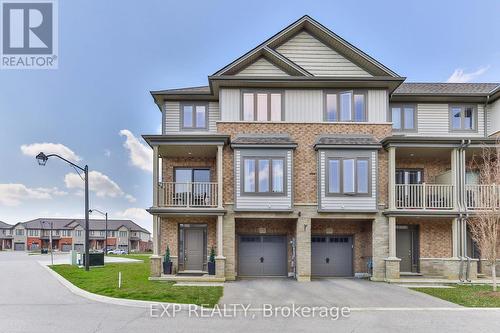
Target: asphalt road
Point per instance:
(33, 300)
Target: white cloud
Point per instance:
(50, 148)
(460, 76)
(140, 155)
(138, 215)
(99, 183)
(107, 152)
(14, 194)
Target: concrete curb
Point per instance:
(112, 300)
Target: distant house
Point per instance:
(69, 234)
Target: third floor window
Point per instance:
(403, 117)
(194, 116)
(262, 106)
(462, 118)
(345, 106)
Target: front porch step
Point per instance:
(192, 273)
(188, 278)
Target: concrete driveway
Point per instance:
(330, 292)
(31, 299)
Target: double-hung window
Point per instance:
(462, 118)
(262, 106)
(123, 234)
(194, 116)
(403, 117)
(264, 175)
(349, 176)
(345, 106)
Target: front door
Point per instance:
(407, 247)
(193, 249)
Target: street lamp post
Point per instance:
(42, 160)
(106, 228)
(50, 241)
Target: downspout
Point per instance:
(485, 116)
(462, 211)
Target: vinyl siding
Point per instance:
(261, 67)
(317, 58)
(302, 105)
(493, 117)
(229, 100)
(377, 106)
(357, 203)
(173, 117)
(434, 120)
(257, 202)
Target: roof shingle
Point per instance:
(445, 88)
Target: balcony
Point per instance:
(482, 197)
(424, 196)
(188, 195)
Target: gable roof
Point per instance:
(324, 35)
(4, 225)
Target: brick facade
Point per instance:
(305, 159)
(435, 236)
(170, 163)
(169, 231)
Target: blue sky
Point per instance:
(112, 53)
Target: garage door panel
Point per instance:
(331, 256)
(274, 255)
(320, 265)
(250, 250)
(262, 256)
(18, 246)
(342, 255)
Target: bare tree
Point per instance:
(484, 223)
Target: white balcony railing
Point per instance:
(482, 197)
(424, 196)
(197, 194)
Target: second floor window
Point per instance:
(403, 117)
(123, 234)
(348, 176)
(32, 232)
(19, 232)
(78, 233)
(345, 106)
(264, 175)
(462, 118)
(262, 106)
(194, 116)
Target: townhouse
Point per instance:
(305, 157)
(5, 236)
(69, 234)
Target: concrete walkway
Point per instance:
(31, 299)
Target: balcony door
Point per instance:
(409, 176)
(192, 185)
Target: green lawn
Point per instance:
(135, 283)
(466, 295)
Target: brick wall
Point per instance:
(169, 229)
(362, 237)
(305, 159)
(169, 164)
(432, 166)
(435, 236)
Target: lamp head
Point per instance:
(41, 158)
